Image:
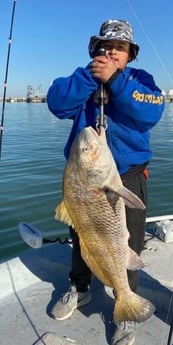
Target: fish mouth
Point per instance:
(95, 132)
(99, 132)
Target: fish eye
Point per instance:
(85, 149)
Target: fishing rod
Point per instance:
(150, 41)
(170, 332)
(170, 78)
(101, 99)
(101, 52)
(31, 235)
(6, 75)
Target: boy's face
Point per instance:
(117, 50)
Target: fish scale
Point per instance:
(93, 204)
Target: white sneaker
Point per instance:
(124, 333)
(68, 302)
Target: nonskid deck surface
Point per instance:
(31, 283)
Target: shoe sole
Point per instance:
(132, 342)
(118, 342)
(64, 317)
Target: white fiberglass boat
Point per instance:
(32, 282)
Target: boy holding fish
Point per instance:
(133, 105)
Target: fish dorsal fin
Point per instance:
(130, 199)
(61, 213)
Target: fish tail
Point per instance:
(132, 308)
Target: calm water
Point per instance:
(32, 164)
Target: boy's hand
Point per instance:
(102, 67)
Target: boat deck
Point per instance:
(32, 282)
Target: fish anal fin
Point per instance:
(134, 262)
(61, 213)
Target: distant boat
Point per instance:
(34, 97)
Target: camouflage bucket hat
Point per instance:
(114, 30)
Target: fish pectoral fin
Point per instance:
(61, 213)
(130, 199)
(134, 262)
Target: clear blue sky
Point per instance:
(50, 38)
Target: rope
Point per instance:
(66, 240)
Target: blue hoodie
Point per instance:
(135, 106)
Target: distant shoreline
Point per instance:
(26, 99)
(36, 99)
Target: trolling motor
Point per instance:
(33, 237)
